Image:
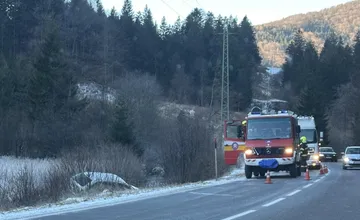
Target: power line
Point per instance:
(171, 8)
(199, 4)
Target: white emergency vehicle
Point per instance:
(308, 129)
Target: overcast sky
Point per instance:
(258, 11)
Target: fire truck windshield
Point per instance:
(268, 128)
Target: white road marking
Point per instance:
(273, 202)
(293, 193)
(310, 184)
(317, 180)
(210, 194)
(239, 215)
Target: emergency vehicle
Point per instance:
(234, 142)
(272, 143)
(308, 129)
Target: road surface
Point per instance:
(334, 196)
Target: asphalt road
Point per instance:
(323, 197)
(335, 197)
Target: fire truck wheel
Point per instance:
(298, 169)
(248, 172)
(262, 173)
(293, 170)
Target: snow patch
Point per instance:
(95, 91)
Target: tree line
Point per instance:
(325, 85)
(48, 48)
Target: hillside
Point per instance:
(274, 37)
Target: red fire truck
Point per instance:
(272, 140)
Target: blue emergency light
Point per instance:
(255, 113)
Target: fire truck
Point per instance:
(234, 142)
(272, 143)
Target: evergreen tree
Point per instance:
(121, 129)
(52, 85)
(249, 62)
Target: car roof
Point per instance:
(353, 147)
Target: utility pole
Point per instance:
(225, 101)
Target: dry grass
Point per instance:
(27, 182)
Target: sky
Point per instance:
(258, 11)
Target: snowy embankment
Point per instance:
(11, 167)
(115, 198)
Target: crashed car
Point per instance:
(86, 180)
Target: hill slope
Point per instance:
(274, 37)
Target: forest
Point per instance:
(52, 52)
(324, 85)
(49, 47)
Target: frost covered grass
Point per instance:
(107, 198)
(33, 183)
(11, 167)
(30, 182)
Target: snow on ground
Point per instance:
(274, 70)
(10, 167)
(94, 91)
(172, 110)
(109, 199)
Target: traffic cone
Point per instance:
(326, 169)
(307, 174)
(322, 170)
(268, 179)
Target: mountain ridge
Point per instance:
(273, 37)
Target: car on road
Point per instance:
(314, 162)
(351, 157)
(327, 154)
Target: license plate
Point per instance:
(328, 157)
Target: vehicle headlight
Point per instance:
(321, 155)
(346, 159)
(248, 152)
(289, 150)
(315, 157)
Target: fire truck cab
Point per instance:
(234, 141)
(271, 143)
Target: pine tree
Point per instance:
(248, 63)
(121, 129)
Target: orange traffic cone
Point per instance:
(307, 174)
(322, 170)
(268, 179)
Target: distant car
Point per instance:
(351, 157)
(314, 162)
(327, 154)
